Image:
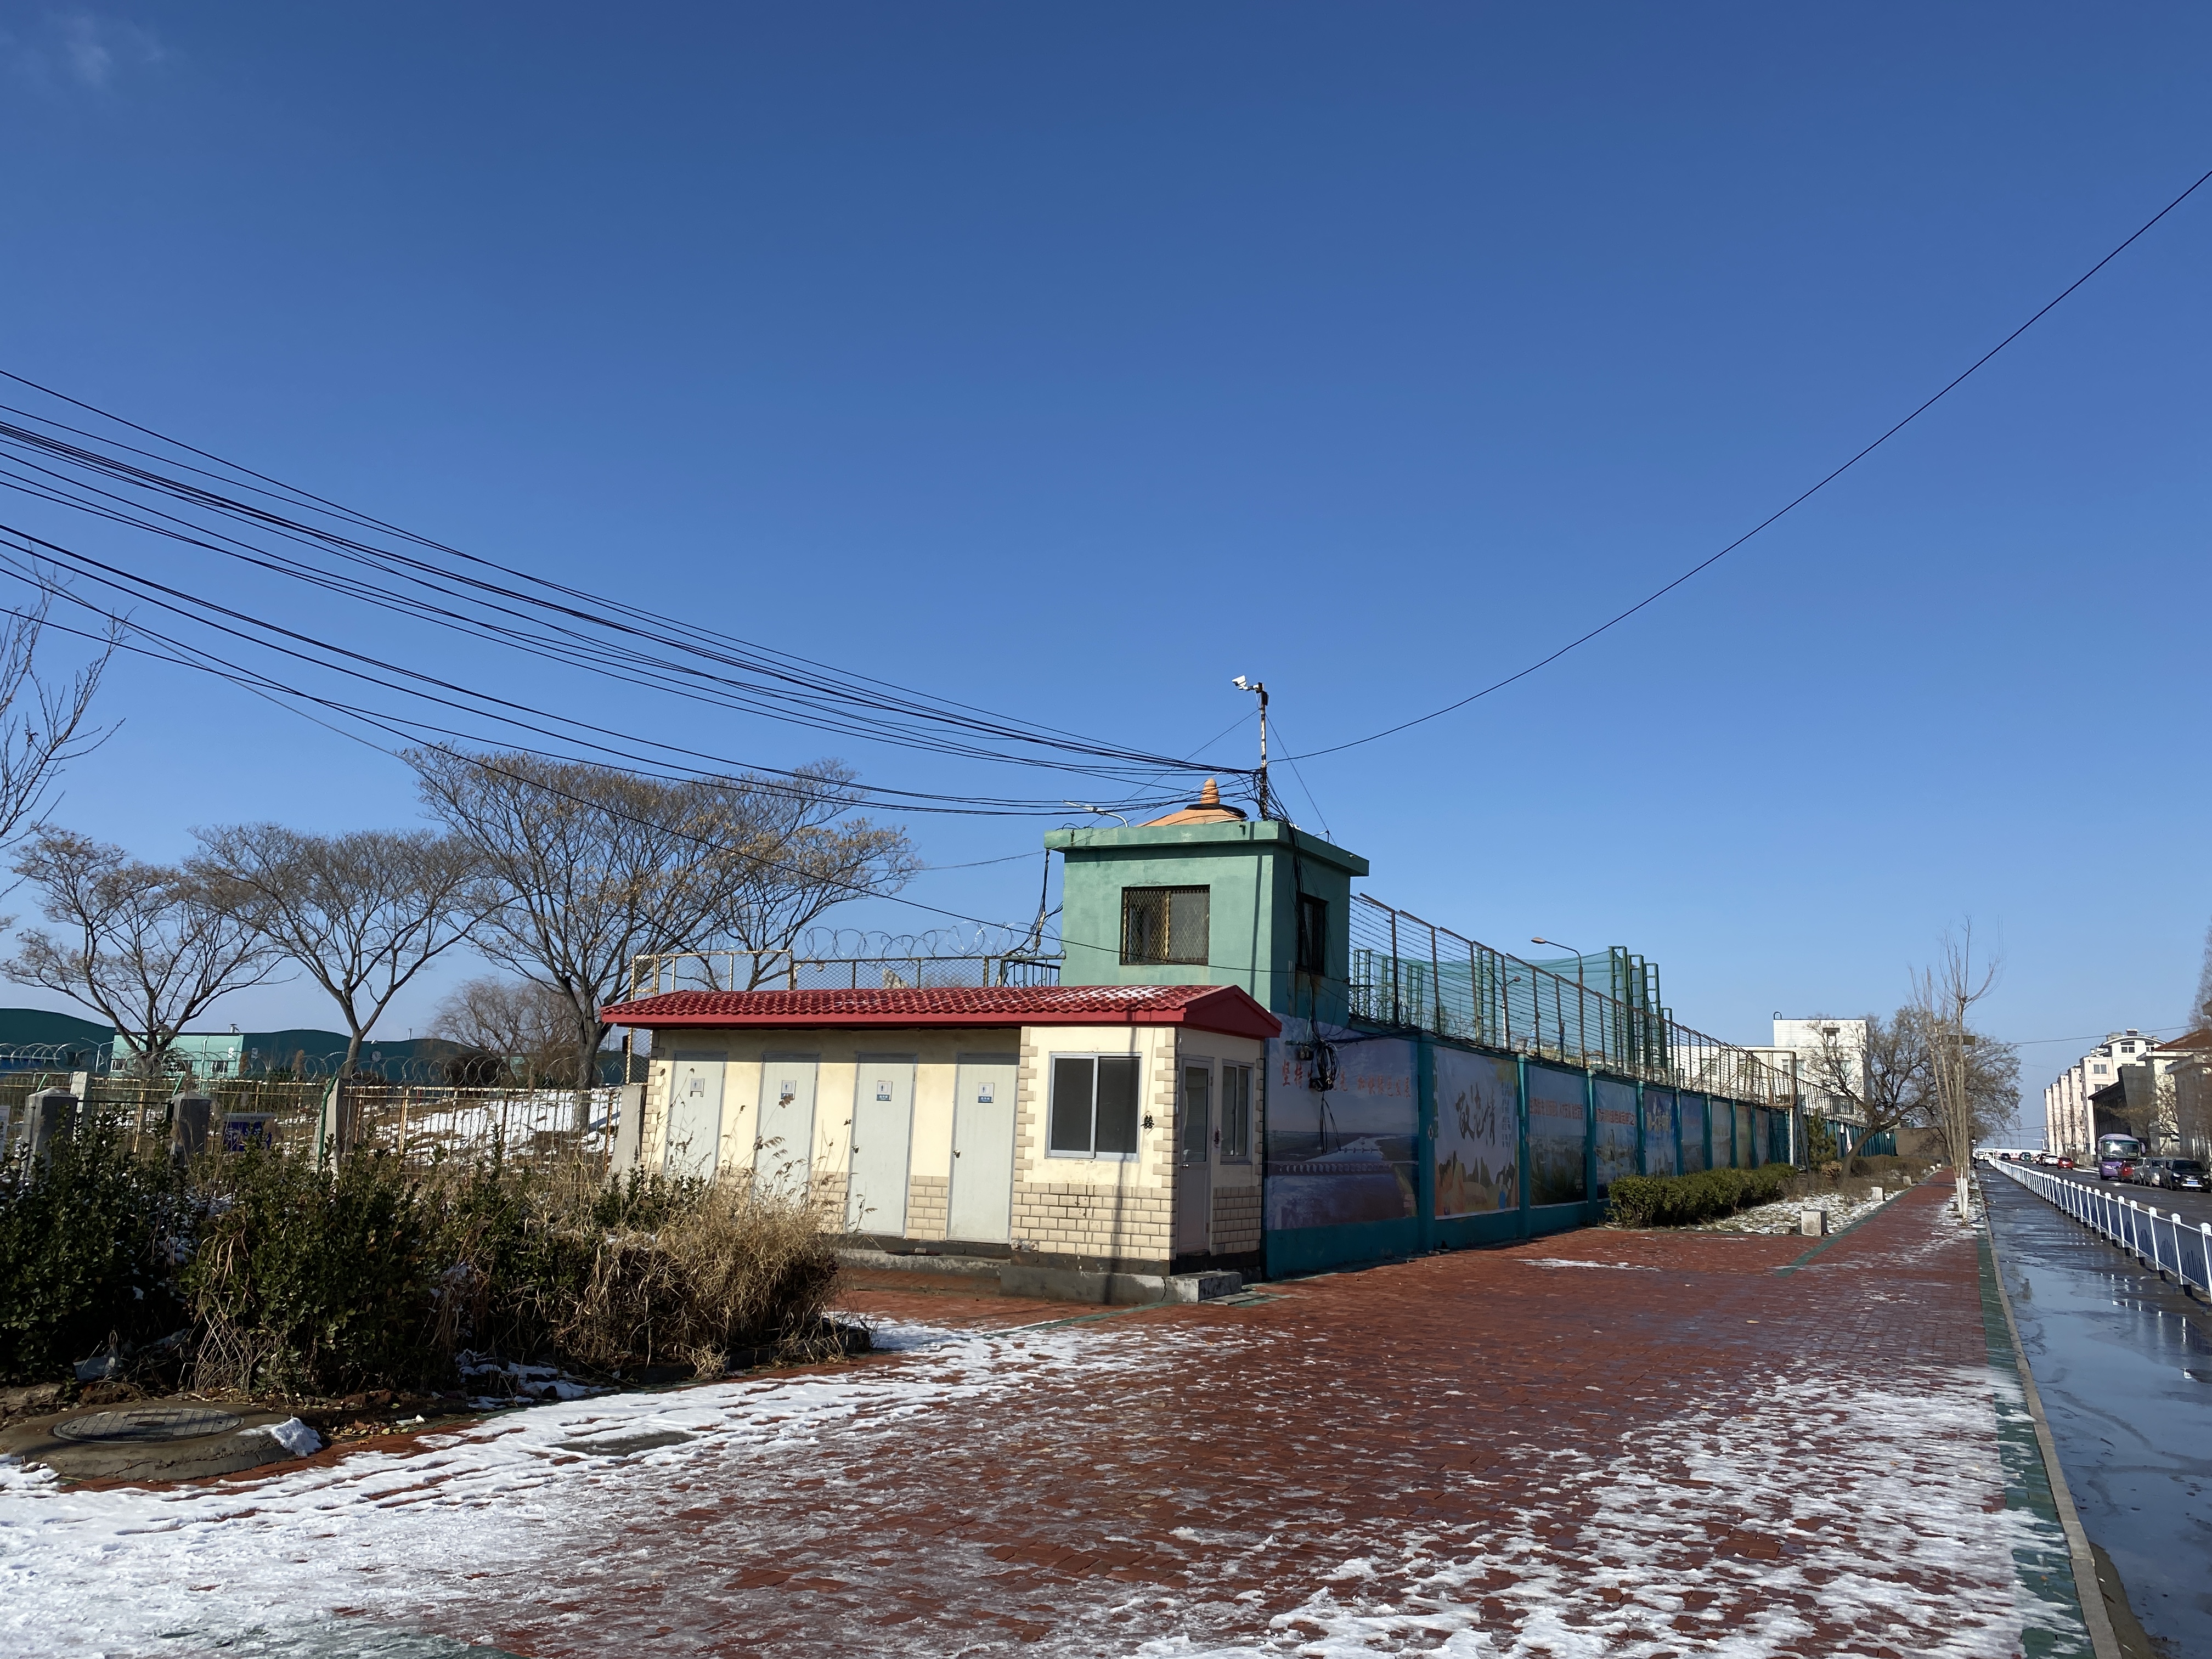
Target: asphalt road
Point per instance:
(2124, 1362)
(2195, 1208)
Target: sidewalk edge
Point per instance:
(2086, 1587)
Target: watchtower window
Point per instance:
(1164, 924)
(1313, 935)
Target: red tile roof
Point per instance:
(1223, 1008)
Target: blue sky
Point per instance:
(1072, 360)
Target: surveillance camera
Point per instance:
(1240, 684)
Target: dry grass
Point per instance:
(733, 1273)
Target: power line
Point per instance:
(814, 690)
(1658, 593)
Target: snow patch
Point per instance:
(294, 1436)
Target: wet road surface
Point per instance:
(2124, 1362)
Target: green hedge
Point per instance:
(1683, 1201)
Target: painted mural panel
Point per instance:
(1695, 1153)
(1557, 1138)
(1658, 1131)
(1478, 1147)
(1345, 1153)
(1747, 1141)
(1616, 1133)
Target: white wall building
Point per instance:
(2069, 1123)
(1804, 1041)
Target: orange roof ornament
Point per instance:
(1208, 808)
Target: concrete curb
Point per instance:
(2087, 1586)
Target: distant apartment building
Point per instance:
(2115, 1087)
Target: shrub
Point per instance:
(314, 1280)
(85, 1252)
(1683, 1201)
(369, 1276)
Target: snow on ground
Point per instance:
(1782, 1217)
(261, 1563)
(1624, 1552)
(1724, 1519)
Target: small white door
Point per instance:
(783, 1144)
(694, 1111)
(980, 1209)
(883, 1133)
(1194, 1204)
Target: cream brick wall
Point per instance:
(928, 1199)
(1236, 1220)
(1102, 1208)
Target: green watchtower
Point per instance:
(1207, 896)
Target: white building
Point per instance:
(2069, 1123)
(1804, 1042)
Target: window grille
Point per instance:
(1165, 925)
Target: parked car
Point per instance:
(2063, 1162)
(2184, 1174)
(2142, 1172)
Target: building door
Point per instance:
(1194, 1204)
(980, 1209)
(783, 1146)
(695, 1112)
(883, 1133)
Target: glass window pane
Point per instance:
(1071, 1105)
(1235, 1111)
(1117, 1105)
(1197, 1112)
(1187, 930)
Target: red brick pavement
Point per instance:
(1597, 1444)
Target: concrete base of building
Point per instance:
(1047, 1280)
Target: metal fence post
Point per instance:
(1396, 1018)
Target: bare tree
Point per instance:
(363, 913)
(514, 1022)
(1885, 1077)
(1970, 1074)
(144, 946)
(597, 867)
(44, 723)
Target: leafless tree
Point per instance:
(144, 946)
(507, 1023)
(45, 723)
(363, 913)
(1885, 1080)
(1976, 1081)
(597, 867)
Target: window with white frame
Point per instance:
(1235, 1114)
(1094, 1106)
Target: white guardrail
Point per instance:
(2164, 1242)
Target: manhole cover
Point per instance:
(148, 1423)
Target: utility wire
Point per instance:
(1659, 593)
(580, 614)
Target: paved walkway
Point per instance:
(1601, 1443)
